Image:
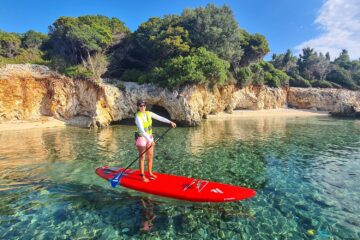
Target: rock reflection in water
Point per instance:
(227, 131)
(34, 146)
(108, 141)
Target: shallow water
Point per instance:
(306, 172)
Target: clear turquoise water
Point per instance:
(306, 172)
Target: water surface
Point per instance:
(306, 172)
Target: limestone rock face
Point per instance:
(21, 97)
(338, 101)
(259, 98)
(203, 102)
(28, 92)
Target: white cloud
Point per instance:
(340, 23)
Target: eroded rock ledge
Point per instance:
(31, 91)
(339, 102)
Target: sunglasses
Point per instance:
(142, 105)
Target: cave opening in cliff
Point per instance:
(159, 110)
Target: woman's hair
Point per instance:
(139, 102)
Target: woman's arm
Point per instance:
(159, 118)
(162, 119)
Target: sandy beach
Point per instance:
(280, 112)
(43, 122)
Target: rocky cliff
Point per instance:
(339, 102)
(28, 92)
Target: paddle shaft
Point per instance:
(147, 149)
(116, 179)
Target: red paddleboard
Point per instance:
(178, 187)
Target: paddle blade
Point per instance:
(115, 181)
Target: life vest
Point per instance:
(147, 122)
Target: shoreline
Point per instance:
(50, 122)
(279, 112)
(41, 123)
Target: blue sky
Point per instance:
(326, 25)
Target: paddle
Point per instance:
(115, 180)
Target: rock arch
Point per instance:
(159, 110)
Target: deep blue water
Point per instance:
(306, 172)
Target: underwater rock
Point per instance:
(60, 216)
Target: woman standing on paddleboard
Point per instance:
(144, 138)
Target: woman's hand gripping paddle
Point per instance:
(115, 180)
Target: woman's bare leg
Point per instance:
(142, 163)
(150, 155)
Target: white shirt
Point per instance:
(139, 124)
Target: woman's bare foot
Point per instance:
(144, 179)
(152, 176)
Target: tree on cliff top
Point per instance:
(255, 48)
(315, 69)
(159, 40)
(215, 29)
(285, 62)
(201, 67)
(33, 39)
(9, 44)
(75, 39)
(21, 48)
(210, 27)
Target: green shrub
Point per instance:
(32, 39)
(58, 64)
(282, 76)
(257, 74)
(9, 44)
(356, 77)
(121, 86)
(267, 66)
(260, 74)
(214, 69)
(342, 77)
(244, 75)
(131, 75)
(202, 67)
(272, 81)
(74, 39)
(298, 81)
(321, 84)
(335, 85)
(177, 72)
(144, 78)
(274, 77)
(78, 71)
(32, 56)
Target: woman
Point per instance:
(143, 120)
